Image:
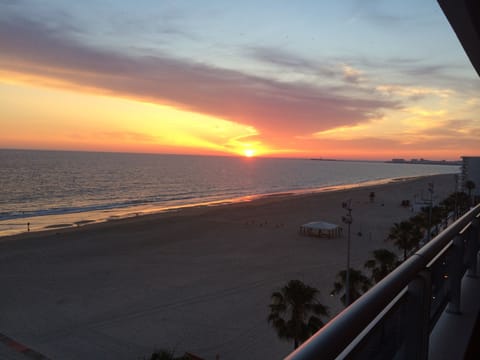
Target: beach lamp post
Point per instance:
(455, 206)
(347, 219)
(430, 190)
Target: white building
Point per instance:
(471, 171)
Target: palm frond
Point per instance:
(291, 311)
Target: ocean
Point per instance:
(53, 189)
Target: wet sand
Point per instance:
(196, 279)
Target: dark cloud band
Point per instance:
(34, 48)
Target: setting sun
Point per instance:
(249, 152)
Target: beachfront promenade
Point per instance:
(196, 280)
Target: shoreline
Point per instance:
(105, 216)
(122, 288)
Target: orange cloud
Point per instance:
(31, 48)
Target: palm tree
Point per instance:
(359, 284)
(463, 201)
(456, 202)
(470, 185)
(295, 312)
(406, 236)
(436, 216)
(420, 221)
(383, 262)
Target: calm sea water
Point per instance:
(54, 188)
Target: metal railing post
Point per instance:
(455, 274)
(417, 316)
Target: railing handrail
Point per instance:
(336, 335)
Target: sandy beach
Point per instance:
(197, 279)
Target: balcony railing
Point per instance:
(394, 319)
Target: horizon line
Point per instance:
(459, 159)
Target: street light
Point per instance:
(455, 208)
(430, 190)
(348, 219)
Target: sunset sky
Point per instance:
(350, 79)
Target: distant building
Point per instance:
(425, 162)
(471, 171)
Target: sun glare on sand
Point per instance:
(249, 152)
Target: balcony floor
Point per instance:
(456, 335)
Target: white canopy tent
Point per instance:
(321, 229)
